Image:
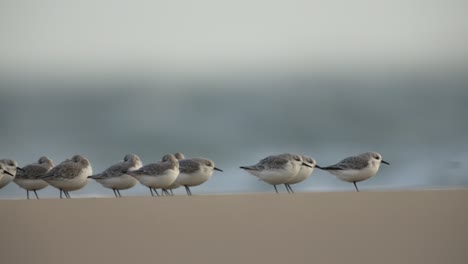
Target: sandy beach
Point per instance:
(342, 227)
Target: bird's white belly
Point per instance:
(304, 173)
(194, 179)
(122, 182)
(68, 184)
(31, 184)
(355, 175)
(161, 181)
(5, 180)
(87, 171)
(72, 184)
(277, 176)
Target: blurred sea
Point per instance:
(418, 122)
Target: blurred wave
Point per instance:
(417, 122)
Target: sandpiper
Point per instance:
(28, 179)
(116, 177)
(356, 168)
(70, 175)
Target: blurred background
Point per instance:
(235, 81)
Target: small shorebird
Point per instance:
(277, 169)
(195, 171)
(12, 167)
(116, 177)
(28, 179)
(304, 173)
(158, 175)
(356, 168)
(179, 156)
(70, 175)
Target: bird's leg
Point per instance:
(290, 188)
(275, 188)
(67, 194)
(355, 186)
(115, 194)
(187, 189)
(155, 191)
(37, 197)
(61, 194)
(118, 192)
(27, 194)
(151, 190)
(172, 193)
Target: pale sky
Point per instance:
(214, 34)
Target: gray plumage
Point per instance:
(113, 171)
(272, 162)
(156, 169)
(36, 170)
(193, 165)
(179, 156)
(68, 169)
(119, 169)
(358, 162)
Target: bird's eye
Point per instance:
(377, 158)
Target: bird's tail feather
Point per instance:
(328, 168)
(95, 176)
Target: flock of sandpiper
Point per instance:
(174, 171)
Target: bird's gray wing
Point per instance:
(350, 163)
(189, 166)
(272, 162)
(153, 169)
(115, 170)
(65, 170)
(32, 171)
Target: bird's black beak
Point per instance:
(318, 167)
(9, 173)
(20, 169)
(383, 161)
(218, 169)
(307, 165)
